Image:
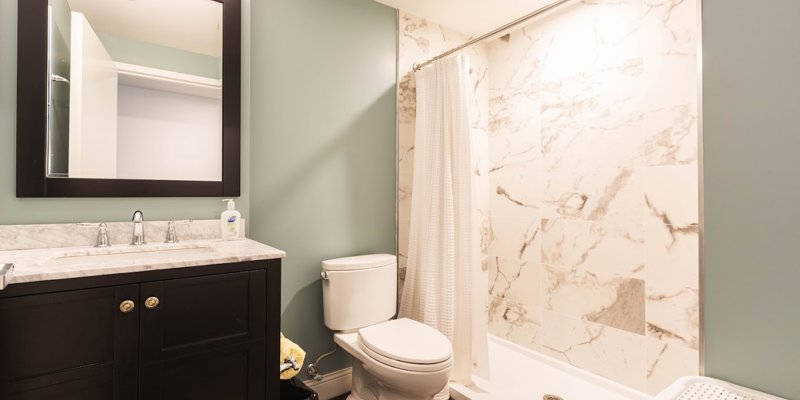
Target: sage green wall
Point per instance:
(323, 145)
(28, 211)
(752, 191)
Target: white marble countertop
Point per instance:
(77, 262)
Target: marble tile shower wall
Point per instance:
(591, 236)
(593, 255)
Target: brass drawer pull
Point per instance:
(151, 302)
(127, 306)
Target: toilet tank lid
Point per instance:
(359, 262)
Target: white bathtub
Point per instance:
(519, 373)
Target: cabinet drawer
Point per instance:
(201, 314)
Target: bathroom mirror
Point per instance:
(128, 98)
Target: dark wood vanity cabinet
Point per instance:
(211, 336)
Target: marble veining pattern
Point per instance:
(606, 351)
(43, 264)
(590, 239)
(39, 236)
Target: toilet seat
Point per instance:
(406, 344)
(410, 367)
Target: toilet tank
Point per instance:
(359, 291)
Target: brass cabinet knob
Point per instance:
(127, 306)
(151, 302)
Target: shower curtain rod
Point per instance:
(511, 24)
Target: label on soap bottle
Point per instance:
(229, 223)
(232, 225)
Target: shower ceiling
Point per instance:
(470, 17)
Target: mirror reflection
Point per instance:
(135, 89)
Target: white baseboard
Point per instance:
(334, 384)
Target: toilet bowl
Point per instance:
(398, 363)
(393, 359)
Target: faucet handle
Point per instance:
(102, 236)
(172, 235)
(102, 233)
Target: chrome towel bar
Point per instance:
(290, 363)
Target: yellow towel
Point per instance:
(288, 350)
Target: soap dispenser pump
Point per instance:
(229, 221)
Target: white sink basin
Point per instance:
(123, 253)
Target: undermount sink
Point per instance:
(124, 253)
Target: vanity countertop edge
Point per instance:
(36, 265)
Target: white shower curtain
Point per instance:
(442, 275)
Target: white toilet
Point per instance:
(398, 359)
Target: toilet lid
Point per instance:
(408, 341)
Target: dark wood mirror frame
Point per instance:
(32, 180)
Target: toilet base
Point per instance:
(364, 385)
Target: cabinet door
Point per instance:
(205, 338)
(69, 345)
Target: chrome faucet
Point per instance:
(5, 274)
(138, 229)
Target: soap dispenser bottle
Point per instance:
(230, 221)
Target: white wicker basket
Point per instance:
(703, 388)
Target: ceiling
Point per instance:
(471, 17)
(191, 25)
